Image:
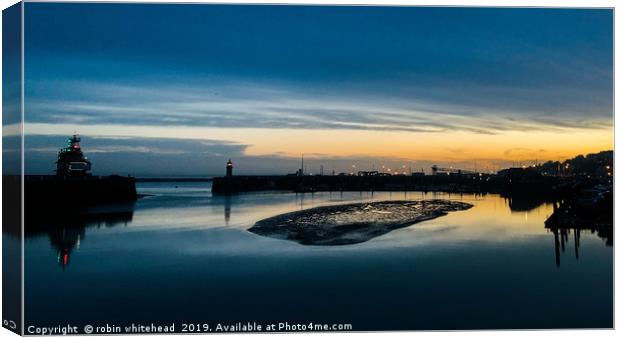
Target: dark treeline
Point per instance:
(593, 165)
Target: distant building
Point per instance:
(229, 168)
(367, 173)
(442, 171)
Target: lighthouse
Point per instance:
(229, 167)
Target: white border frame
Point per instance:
(428, 3)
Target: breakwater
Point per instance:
(445, 183)
(47, 191)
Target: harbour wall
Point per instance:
(445, 183)
(48, 191)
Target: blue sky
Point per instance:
(147, 78)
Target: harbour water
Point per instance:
(183, 255)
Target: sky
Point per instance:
(165, 90)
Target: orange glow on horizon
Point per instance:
(436, 146)
(445, 146)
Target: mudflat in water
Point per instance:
(352, 223)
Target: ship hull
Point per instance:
(41, 192)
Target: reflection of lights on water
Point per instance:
(78, 241)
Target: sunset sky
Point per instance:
(179, 89)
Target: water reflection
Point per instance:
(561, 237)
(493, 218)
(227, 206)
(66, 230)
(527, 202)
(566, 220)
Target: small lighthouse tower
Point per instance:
(229, 168)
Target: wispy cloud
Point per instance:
(256, 105)
(184, 86)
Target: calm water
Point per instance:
(183, 255)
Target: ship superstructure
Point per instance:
(71, 160)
